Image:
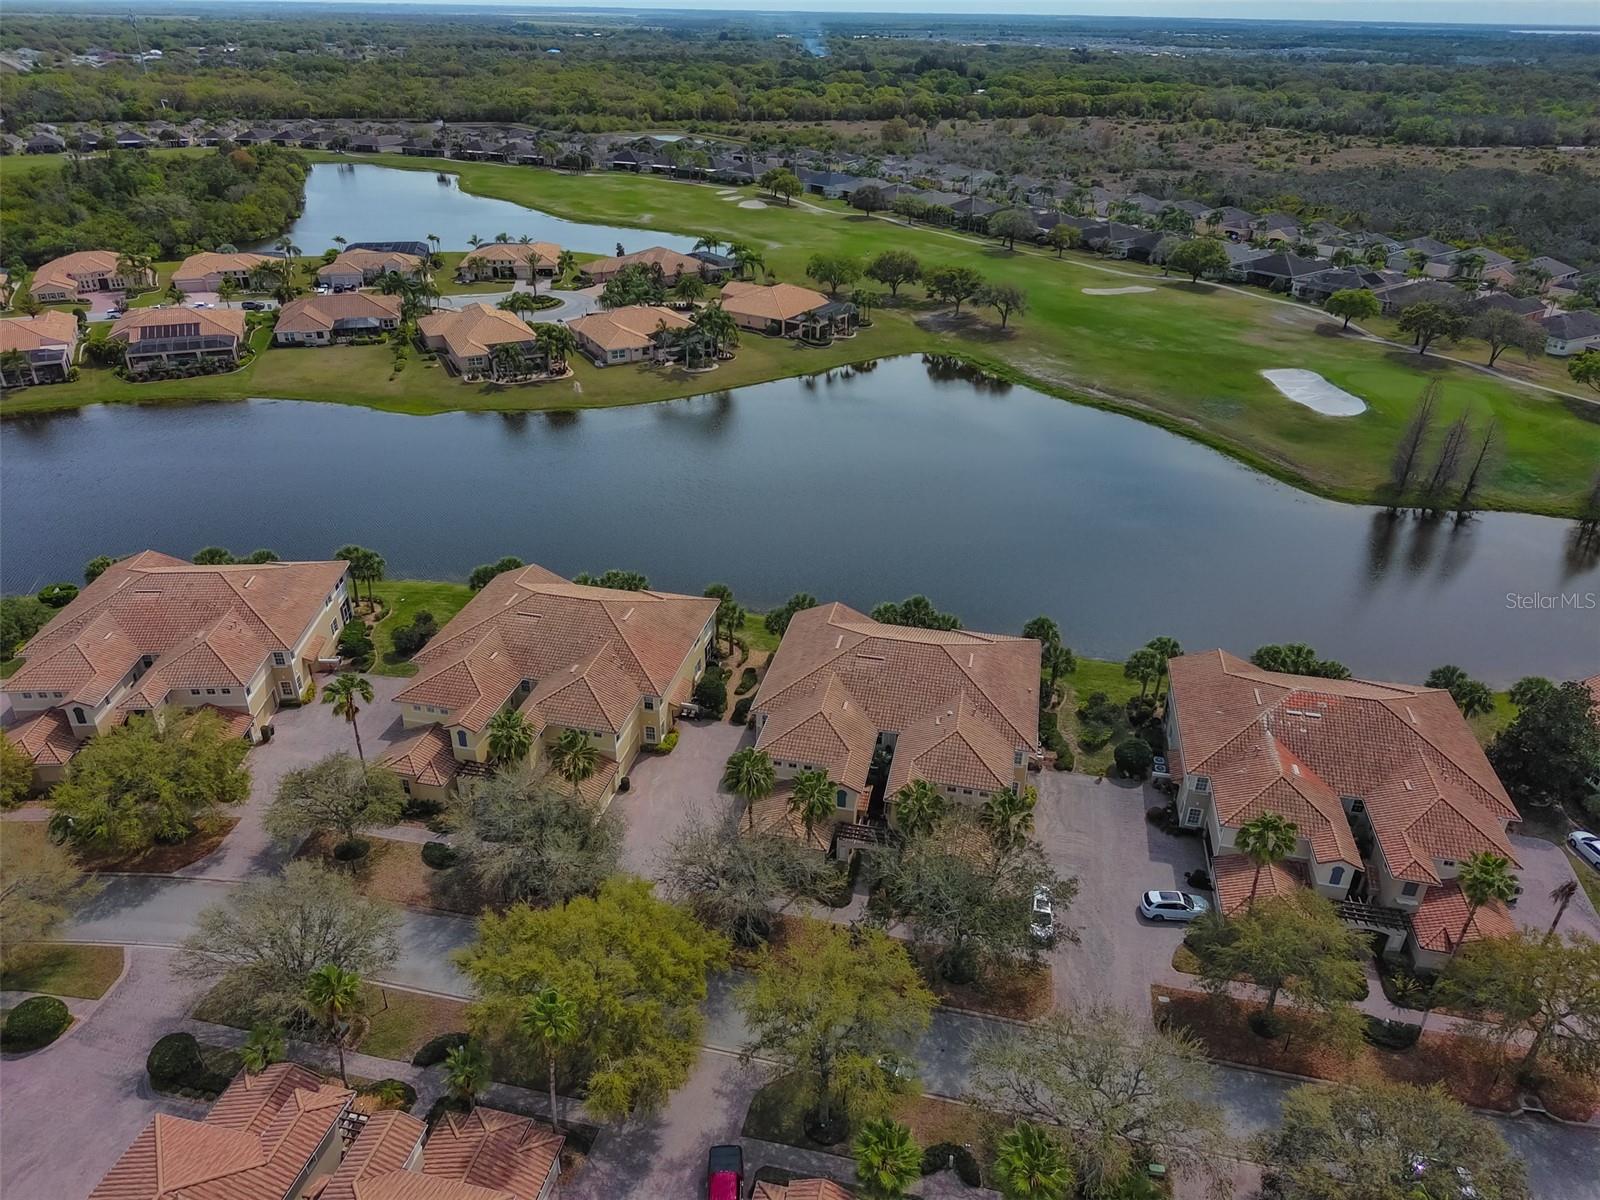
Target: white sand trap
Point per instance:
(726, 192)
(1122, 291)
(1316, 393)
(752, 204)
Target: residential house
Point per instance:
(1121, 241)
(1145, 203)
(38, 349)
(154, 630)
(375, 143)
(725, 169)
(786, 310)
(672, 265)
(359, 268)
(275, 1135)
(1235, 224)
(1240, 255)
(614, 665)
(1523, 306)
(324, 320)
(467, 336)
(625, 335)
(73, 275)
(1555, 272)
(160, 337)
(801, 1189)
(509, 260)
(418, 147)
(1571, 333)
(1387, 787)
(844, 692)
(1280, 270)
(1276, 229)
(254, 137)
(205, 272)
(6, 288)
(624, 159)
(1487, 259)
(44, 143)
(1319, 285)
(484, 1154)
(834, 185)
(1395, 297)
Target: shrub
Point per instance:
(1134, 758)
(1155, 733)
(668, 743)
(1391, 1035)
(355, 643)
(1098, 709)
(433, 1051)
(1064, 758)
(35, 1022)
(939, 1155)
(711, 693)
(1140, 709)
(174, 1059)
(408, 639)
(741, 710)
(438, 855)
(747, 680)
(1050, 738)
(420, 810)
(58, 595)
(392, 1093)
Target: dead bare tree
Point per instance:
(1469, 489)
(1448, 464)
(1403, 471)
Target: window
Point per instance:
(1191, 817)
(842, 800)
(278, 659)
(77, 715)
(211, 691)
(1356, 805)
(1409, 889)
(461, 737)
(194, 691)
(1449, 862)
(649, 733)
(27, 695)
(286, 687)
(1335, 875)
(1202, 784)
(1016, 759)
(649, 703)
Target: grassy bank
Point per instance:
(1187, 357)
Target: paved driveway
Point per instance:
(1544, 867)
(68, 1111)
(579, 303)
(1096, 830)
(301, 736)
(666, 789)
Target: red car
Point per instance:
(724, 1173)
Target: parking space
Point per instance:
(1096, 831)
(666, 789)
(1544, 866)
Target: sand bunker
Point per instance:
(1316, 393)
(726, 192)
(1121, 291)
(751, 204)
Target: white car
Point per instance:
(1172, 906)
(1043, 924)
(1586, 846)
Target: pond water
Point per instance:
(861, 484)
(361, 202)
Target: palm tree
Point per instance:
(135, 268)
(1031, 1166)
(918, 808)
(718, 327)
(1008, 816)
(506, 359)
(1166, 649)
(338, 241)
(709, 241)
(1344, 257)
(1264, 840)
(333, 995)
(1561, 895)
(888, 1160)
(392, 283)
(227, 290)
(574, 758)
(433, 240)
(557, 343)
(466, 1070)
(566, 262)
(746, 259)
(1376, 256)
(748, 775)
(1145, 666)
(812, 800)
(287, 247)
(474, 241)
(510, 737)
(502, 238)
(1483, 878)
(343, 693)
(688, 289)
(518, 302)
(552, 1020)
(13, 363)
(262, 1048)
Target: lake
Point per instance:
(862, 484)
(361, 202)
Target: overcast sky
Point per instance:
(1487, 12)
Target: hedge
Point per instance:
(741, 710)
(175, 1065)
(434, 1050)
(438, 855)
(35, 1022)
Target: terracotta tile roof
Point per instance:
(629, 328)
(1405, 751)
(475, 329)
(365, 262)
(672, 263)
(1593, 684)
(44, 331)
(1232, 876)
(426, 758)
(45, 737)
(254, 1144)
(1438, 919)
(594, 693)
(140, 324)
(915, 683)
(382, 1147)
(771, 815)
(204, 626)
(774, 302)
(514, 252)
(63, 273)
(312, 314)
(532, 624)
(802, 1189)
(829, 729)
(492, 1149)
(197, 266)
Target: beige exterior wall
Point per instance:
(341, 278)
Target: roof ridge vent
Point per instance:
(839, 642)
(1409, 788)
(1257, 691)
(1294, 769)
(628, 614)
(970, 656)
(1411, 714)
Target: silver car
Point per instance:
(1586, 846)
(1043, 924)
(1172, 906)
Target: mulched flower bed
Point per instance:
(1470, 1069)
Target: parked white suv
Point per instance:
(1172, 906)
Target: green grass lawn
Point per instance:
(1095, 675)
(1497, 718)
(402, 1021)
(404, 599)
(1187, 357)
(59, 969)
